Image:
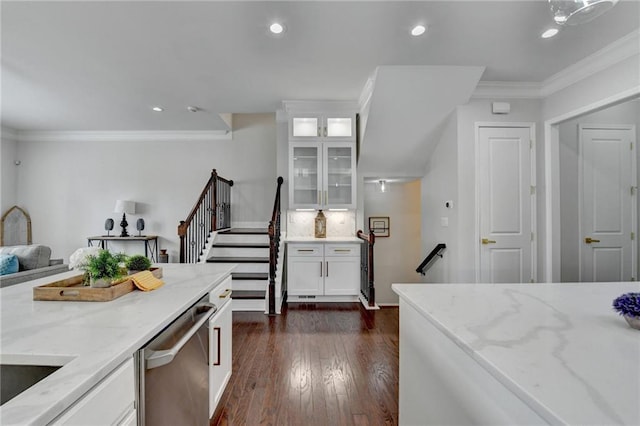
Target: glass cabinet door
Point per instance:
(305, 127)
(339, 127)
(339, 175)
(305, 177)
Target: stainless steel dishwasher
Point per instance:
(173, 372)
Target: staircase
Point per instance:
(249, 248)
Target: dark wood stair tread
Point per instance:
(242, 245)
(250, 275)
(216, 259)
(245, 231)
(248, 294)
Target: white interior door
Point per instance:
(506, 178)
(607, 203)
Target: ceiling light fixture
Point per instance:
(157, 109)
(418, 30)
(276, 28)
(193, 108)
(383, 185)
(575, 12)
(550, 33)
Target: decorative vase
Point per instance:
(100, 282)
(634, 322)
(321, 225)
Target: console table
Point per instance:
(150, 243)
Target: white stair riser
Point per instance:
(239, 252)
(249, 284)
(242, 238)
(248, 305)
(252, 267)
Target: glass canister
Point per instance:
(321, 225)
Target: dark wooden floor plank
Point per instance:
(316, 364)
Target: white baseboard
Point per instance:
(365, 303)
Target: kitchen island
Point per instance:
(88, 339)
(517, 354)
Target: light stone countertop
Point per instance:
(560, 348)
(322, 240)
(92, 337)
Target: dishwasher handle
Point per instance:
(160, 358)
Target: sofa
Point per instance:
(34, 261)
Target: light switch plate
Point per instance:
(444, 222)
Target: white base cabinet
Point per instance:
(323, 269)
(220, 344)
(110, 402)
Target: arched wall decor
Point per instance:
(15, 227)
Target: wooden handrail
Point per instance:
(212, 209)
(367, 285)
(274, 247)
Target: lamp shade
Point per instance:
(124, 206)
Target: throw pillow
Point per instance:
(8, 264)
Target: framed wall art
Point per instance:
(379, 225)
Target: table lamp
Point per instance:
(124, 207)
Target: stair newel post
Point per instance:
(181, 234)
(372, 290)
(272, 272)
(214, 203)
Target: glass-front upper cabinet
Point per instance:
(323, 127)
(339, 175)
(322, 175)
(305, 169)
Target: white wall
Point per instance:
(8, 171)
(396, 256)
(625, 113)
(479, 110)
(70, 188)
(439, 184)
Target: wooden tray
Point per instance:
(74, 290)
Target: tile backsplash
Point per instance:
(339, 224)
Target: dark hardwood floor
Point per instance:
(315, 364)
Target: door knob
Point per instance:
(590, 240)
(487, 241)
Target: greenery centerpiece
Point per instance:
(137, 263)
(104, 268)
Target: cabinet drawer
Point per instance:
(332, 250)
(107, 403)
(304, 250)
(222, 293)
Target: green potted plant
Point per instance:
(137, 263)
(104, 268)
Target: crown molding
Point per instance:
(123, 136)
(507, 90)
(9, 134)
(610, 55)
(319, 106)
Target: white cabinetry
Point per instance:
(323, 269)
(220, 344)
(110, 402)
(322, 126)
(322, 175)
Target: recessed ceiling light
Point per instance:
(276, 28)
(418, 30)
(549, 33)
(157, 109)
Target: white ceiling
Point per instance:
(101, 65)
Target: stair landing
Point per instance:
(245, 231)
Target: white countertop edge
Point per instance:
(44, 415)
(494, 371)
